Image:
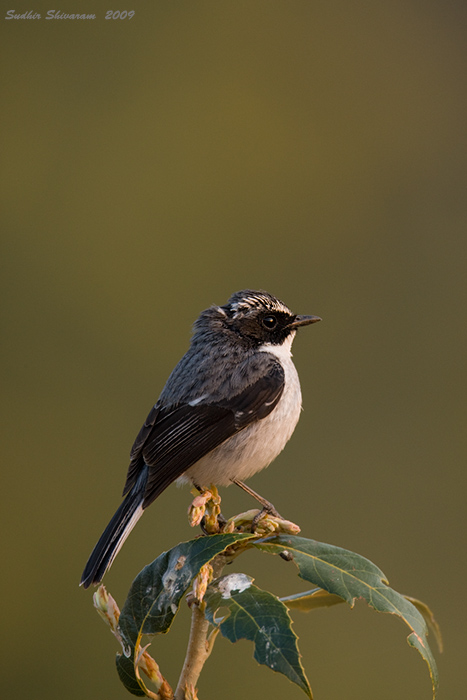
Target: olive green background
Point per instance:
(150, 168)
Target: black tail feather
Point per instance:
(116, 532)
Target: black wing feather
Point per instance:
(174, 438)
(187, 434)
(135, 461)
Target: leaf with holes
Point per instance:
(351, 576)
(317, 598)
(259, 616)
(155, 595)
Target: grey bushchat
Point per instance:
(226, 411)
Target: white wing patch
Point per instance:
(195, 402)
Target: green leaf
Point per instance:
(260, 617)
(126, 672)
(156, 592)
(155, 595)
(351, 576)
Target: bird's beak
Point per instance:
(303, 321)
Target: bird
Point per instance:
(227, 410)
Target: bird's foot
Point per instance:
(205, 511)
(264, 521)
(261, 523)
(265, 511)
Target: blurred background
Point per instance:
(150, 168)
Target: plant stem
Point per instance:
(199, 647)
(197, 652)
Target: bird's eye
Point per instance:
(269, 322)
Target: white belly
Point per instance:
(256, 446)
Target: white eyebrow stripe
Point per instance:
(261, 302)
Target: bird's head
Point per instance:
(255, 318)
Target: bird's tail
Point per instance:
(116, 532)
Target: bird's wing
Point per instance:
(174, 438)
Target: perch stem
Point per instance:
(197, 652)
(199, 646)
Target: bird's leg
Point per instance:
(267, 508)
(266, 521)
